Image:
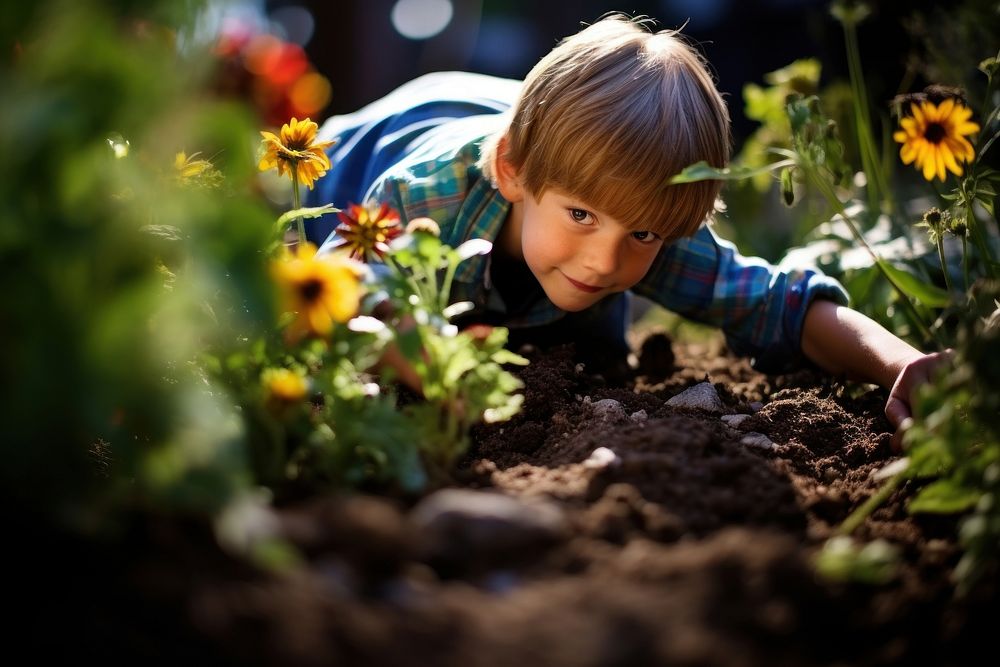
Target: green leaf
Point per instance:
(988, 205)
(944, 496)
(306, 212)
(702, 171)
(508, 357)
(929, 295)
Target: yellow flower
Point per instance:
(934, 137)
(366, 231)
(283, 385)
(296, 149)
(319, 290)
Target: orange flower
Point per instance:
(296, 151)
(320, 290)
(366, 232)
(934, 137)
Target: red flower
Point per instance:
(366, 231)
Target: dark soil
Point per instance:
(681, 545)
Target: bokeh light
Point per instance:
(296, 22)
(309, 94)
(421, 19)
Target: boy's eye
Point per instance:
(578, 214)
(645, 237)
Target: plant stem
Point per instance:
(858, 516)
(297, 204)
(408, 276)
(944, 264)
(862, 118)
(979, 237)
(824, 187)
(445, 293)
(965, 258)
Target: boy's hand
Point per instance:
(898, 408)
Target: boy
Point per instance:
(566, 173)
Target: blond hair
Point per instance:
(609, 116)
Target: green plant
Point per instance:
(103, 408)
(952, 444)
(955, 439)
(461, 373)
(842, 559)
(163, 350)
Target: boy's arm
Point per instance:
(845, 342)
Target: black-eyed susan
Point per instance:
(934, 137)
(365, 231)
(296, 152)
(319, 290)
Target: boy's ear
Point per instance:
(506, 176)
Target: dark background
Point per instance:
(356, 46)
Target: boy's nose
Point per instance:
(602, 257)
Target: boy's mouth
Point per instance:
(583, 287)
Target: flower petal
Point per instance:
(949, 161)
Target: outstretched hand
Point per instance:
(898, 408)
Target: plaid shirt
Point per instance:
(760, 308)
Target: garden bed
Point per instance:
(683, 539)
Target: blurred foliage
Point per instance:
(874, 563)
(145, 357)
(955, 441)
(98, 338)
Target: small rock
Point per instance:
(608, 409)
(602, 457)
(639, 417)
(701, 396)
(756, 406)
(734, 421)
(476, 529)
(759, 440)
(579, 368)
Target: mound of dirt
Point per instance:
(600, 526)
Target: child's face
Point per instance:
(580, 255)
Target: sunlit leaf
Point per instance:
(929, 295)
(702, 171)
(944, 496)
(305, 212)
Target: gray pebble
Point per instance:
(701, 396)
(639, 417)
(457, 524)
(758, 440)
(607, 409)
(734, 421)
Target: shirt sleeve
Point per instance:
(760, 308)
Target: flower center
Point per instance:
(935, 133)
(310, 290)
